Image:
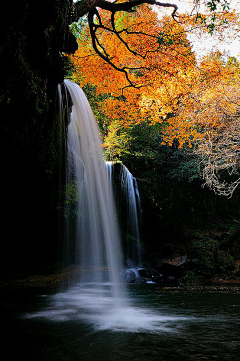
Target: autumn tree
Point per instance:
(157, 58)
(144, 68)
(208, 121)
(205, 11)
(217, 116)
(95, 11)
(144, 63)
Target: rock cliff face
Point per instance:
(33, 37)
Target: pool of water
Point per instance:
(153, 325)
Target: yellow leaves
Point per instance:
(211, 106)
(115, 141)
(189, 101)
(223, 20)
(148, 50)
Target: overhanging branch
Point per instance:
(91, 7)
(84, 6)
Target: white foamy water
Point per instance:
(88, 304)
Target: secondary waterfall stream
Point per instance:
(130, 197)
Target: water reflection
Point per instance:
(64, 327)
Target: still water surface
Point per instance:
(179, 326)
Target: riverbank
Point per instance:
(64, 276)
(225, 288)
(52, 277)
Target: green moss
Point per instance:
(225, 265)
(205, 251)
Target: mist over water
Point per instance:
(86, 304)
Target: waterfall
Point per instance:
(97, 239)
(99, 298)
(129, 184)
(131, 212)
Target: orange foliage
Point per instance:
(157, 58)
(212, 103)
(201, 23)
(167, 85)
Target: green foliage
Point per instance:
(145, 143)
(71, 198)
(116, 145)
(76, 26)
(72, 193)
(187, 165)
(225, 264)
(212, 6)
(68, 67)
(209, 259)
(190, 277)
(169, 39)
(205, 251)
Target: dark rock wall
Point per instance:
(33, 37)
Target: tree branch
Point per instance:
(90, 7)
(84, 6)
(103, 53)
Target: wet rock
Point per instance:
(173, 268)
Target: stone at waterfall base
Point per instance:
(141, 275)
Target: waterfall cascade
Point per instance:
(98, 246)
(131, 209)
